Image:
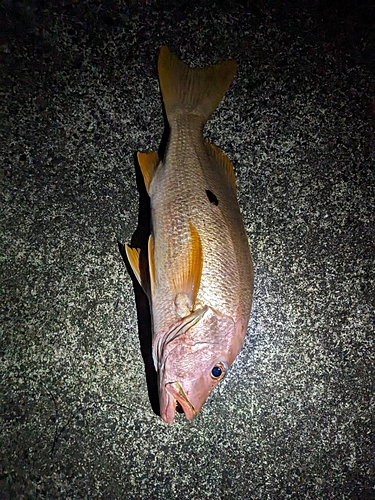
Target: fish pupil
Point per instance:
(212, 198)
(216, 371)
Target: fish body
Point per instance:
(200, 267)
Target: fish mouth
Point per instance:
(180, 399)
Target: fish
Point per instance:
(200, 270)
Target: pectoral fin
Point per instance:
(151, 263)
(148, 163)
(188, 278)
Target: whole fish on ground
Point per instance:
(200, 280)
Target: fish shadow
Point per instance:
(140, 240)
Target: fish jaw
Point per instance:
(167, 406)
(174, 394)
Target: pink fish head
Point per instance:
(192, 358)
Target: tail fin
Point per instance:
(196, 91)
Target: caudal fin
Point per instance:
(196, 91)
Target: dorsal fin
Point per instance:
(220, 157)
(196, 91)
(148, 163)
(187, 279)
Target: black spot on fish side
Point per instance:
(212, 198)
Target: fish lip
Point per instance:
(175, 390)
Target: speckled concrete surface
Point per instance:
(292, 418)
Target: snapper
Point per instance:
(200, 281)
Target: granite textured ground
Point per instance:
(292, 418)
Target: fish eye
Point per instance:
(219, 371)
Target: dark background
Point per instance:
(81, 96)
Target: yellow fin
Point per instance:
(133, 258)
(196, 91)
(190, 269)
(148, 163)
(220, 157)
(151, 263)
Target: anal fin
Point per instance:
(148, 163)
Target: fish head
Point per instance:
(192, 358)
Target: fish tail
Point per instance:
(196, 91)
